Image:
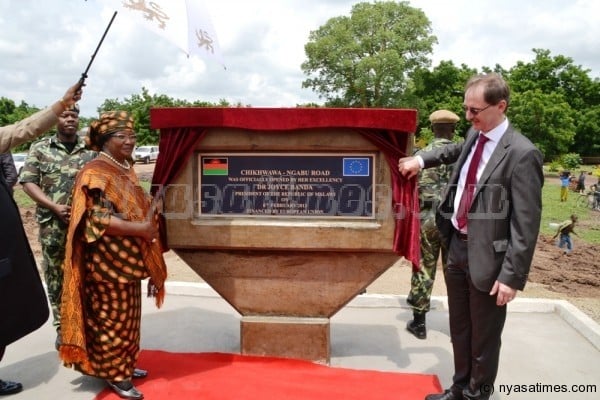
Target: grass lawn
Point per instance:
(554, 211)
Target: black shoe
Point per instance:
(139, 373)
(417, 326)
(8, 387)
(125, 390)
(447, 395)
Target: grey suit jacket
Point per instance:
(504, 218)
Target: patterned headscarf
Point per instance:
(109, 122)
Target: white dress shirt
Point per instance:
(494, 137)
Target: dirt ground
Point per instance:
(574, 277)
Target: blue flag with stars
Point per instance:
(358, 166)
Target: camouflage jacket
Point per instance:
(431, 183)
(50, 166)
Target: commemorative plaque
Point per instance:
(290, 185)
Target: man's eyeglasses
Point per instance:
(122, 137)
(474, 110)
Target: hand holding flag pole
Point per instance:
(84, 74)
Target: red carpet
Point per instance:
(218, 376)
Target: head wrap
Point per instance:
(108, 123)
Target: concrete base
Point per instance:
(287, 297)
(301, 338)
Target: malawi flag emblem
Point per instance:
(215, 166)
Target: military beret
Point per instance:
(443, 117)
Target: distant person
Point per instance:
(595, 189)
(489, 220)
(565, 181)
(47, 177)
(23, 302)
(112, 245)
(431, 183)
(8, 169)
(581, 183)
(565, 229)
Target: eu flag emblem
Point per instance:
(356, 166)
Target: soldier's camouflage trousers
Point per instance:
(421, 283)
(53, 275)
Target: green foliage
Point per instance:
(570, 161)
(365, 60)
(578, 96)
(555, 165)
(545, 118)
(588, 127)
(439, 88)
(11, 113)
(139, 105)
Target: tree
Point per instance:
(546, 119)
(587, 139)
(11, 113)
(439, 88)
(139, 105)
(558, 75)
(365, 60)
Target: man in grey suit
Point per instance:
(489, 218)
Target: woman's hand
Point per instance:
(149, 231)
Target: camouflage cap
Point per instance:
(443, 117)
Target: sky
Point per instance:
(45, 46)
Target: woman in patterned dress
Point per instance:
(112, 245)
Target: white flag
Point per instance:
(185, 23)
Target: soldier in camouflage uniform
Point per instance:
(47, 177)
(431, 183)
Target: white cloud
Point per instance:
(45, 46)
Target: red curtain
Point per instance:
(404, 196)
(176, 147)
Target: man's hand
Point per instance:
(72, 95)
(504, 293)
(63, 212)
(408, 166)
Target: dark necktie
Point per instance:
(469, 189)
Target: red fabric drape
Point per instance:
(404, 196)
(176, 147)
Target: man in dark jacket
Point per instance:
(8, 169)
(23, 303)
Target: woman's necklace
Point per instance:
(124, 165)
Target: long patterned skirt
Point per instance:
(112, 325)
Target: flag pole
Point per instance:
(84, 74)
